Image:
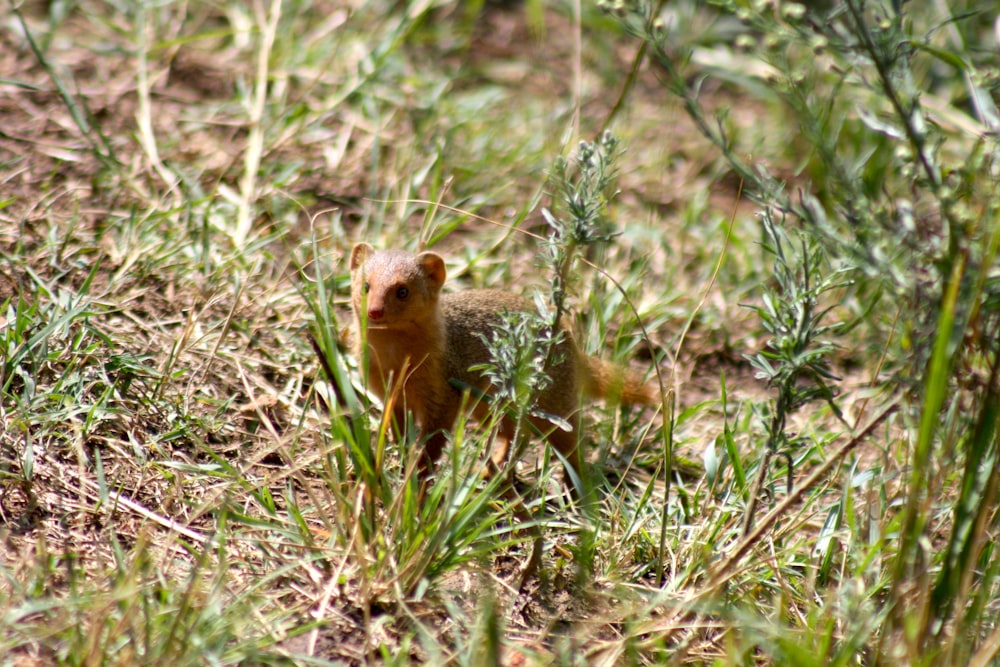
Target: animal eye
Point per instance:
(402, 293)
(368, 288)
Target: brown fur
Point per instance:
(419, 339)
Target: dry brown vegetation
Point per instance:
(180, 184)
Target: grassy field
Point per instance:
(785, 215)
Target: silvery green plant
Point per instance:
(583, 188)
(521, 349)
(525, 345)
(795, 360)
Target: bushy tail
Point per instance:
(602, 379)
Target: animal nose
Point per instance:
(375, 313)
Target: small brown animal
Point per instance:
(423, 339)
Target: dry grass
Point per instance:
(179, 187)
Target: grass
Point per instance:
(191, 469)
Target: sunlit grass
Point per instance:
(191, 469)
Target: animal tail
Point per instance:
(602, 379)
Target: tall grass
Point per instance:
(191, 469)
(895, 189)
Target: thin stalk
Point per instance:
(255, 137)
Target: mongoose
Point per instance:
(424, 339)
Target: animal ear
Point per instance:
(360, 253)
(433, 267)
